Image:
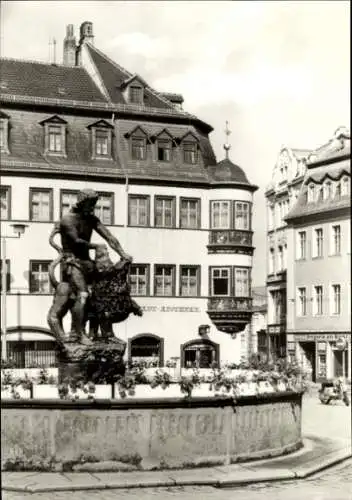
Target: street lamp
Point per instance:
(18, 229)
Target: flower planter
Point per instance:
(22, 393)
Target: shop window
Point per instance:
(138, 210)
(200, 353)
(33, 354)
(41, 204)
(146, 348)
(5, 201)
(321, 365)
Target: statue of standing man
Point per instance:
(78, 269)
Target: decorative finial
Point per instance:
(227, 146)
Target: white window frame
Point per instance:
(164, 278)
(72, 197)
(335, 240)
(222, 270)
(164, 211)
(318, 242)
(272, 260)
(224, 220)
(138, 287)
(318, 300)
(5, 202)
(301, 304)
(140, 216)
(4, 131)
(186, 212)
(301, 249)
(242, 285)
(311, 192)
(41, 216)
(243, 208)
(189, 283)
(345, 185)
(335, 306)
(40, 273)
(105, 204)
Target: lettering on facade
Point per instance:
(170, 309)
(320, 337)
(173, 424)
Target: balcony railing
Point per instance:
(230, 314)
(230, 239)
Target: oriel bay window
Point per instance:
(189, 281)
(242, 215)
(164, 207)
(230, 282)
(104, 208)
(138, 210)
(164, 280)
(189, 213)
(242, 282)
(220, 215)
(41, 204)
(39, 277)
(139, 279)
(68, 200)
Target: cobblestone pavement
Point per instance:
(334, 484)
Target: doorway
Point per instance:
(308, 359)
(340, 363)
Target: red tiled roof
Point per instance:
(47, 81)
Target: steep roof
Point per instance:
(227, 172)
(54, 81)
(338, 146)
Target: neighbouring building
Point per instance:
(319, 263)
(185, 218)
(259, 322)
(281, 195)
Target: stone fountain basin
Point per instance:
(170, 432)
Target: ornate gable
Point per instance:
(54, 120)
(101, 124)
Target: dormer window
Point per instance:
(135, 94)
(338, 190)
(327, 190)
(55, 136)
(190, 148)
(345, 189)
(138, 143)
(4, 133)
(164, 149)
(311, 193)
(101, 139)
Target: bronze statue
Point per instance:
(110, 300)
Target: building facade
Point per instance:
(185, 218)
(318, 264)
(281, 195)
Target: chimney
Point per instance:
(69, 58)
(86, 33)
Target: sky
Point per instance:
(278, 72)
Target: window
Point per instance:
(102, 143)
(338, 190)
(139, 148)
(220, 281)
(281, 258)
(146, 348)
(8, 275)
(104, 208)
(189, 281)
(220, 215)
(190, 152)
(327, 190)
(39, 277)
(55, 139)
(164, 211)
(302, 241)
(345, 188)
(5, 201)
(302, 302)
(311, 193)
(164, 280)
(138, 210)
(272, 261)
(189, 213)
(336, 240)
(318, 300)
(242, 216)
(278, 302)
(199, 353)
(242, 282)
(139, 279)
(271, 216)
(68, 201)
(285, 256)
(4, 131)
(336, 299)
(55, 136)
(41, 204)
(136, 94)
(164, 150)
(318, 243)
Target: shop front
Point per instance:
(321, 355)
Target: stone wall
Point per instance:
(165, 433)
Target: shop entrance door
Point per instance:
(308, 359)
(339, 366)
